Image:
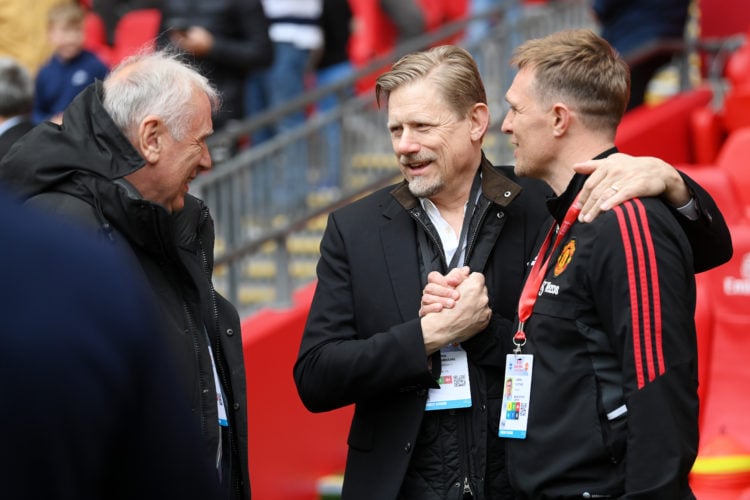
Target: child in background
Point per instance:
(70, 69)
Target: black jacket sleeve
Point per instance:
(708, 235)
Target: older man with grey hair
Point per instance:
(120, 164)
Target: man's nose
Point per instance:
(507, 126)
(407, 143)
(206, 163)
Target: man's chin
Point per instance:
(176, 205)
(422, 189)
(423, 193)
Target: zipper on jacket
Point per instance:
(467, 488)
(467, 491)
(466, 432)
(201, 379)
(472, 239)
(234, 452)
(435, 241)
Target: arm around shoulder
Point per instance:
(708, 234)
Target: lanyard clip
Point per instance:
(519, 339)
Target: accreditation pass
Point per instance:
(454, 389)
(516, 393)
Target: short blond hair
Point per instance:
(66, 13)
(579, 66)
(451, 68)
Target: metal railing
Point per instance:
(267, 200)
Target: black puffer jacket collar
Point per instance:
(82, 157)
(88, 141)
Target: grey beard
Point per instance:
(421, 188)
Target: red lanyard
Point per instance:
(530, 290)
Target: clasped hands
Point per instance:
(454, 308)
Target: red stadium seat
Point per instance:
(725, 406)
(738, 67)
(718, 183)
(95, 37)
(375, 35)
(707, 131)
(734, 159)
(135, 31)
(721, 18)
(663, 130)
(737, 110)
(710, 128)
(703, 323)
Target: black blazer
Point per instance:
(363, 341)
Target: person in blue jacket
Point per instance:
(70, 69)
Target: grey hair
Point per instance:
(155, 83)
(16, 88)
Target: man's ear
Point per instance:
(480, 120)
(561, 117)
(149, 140)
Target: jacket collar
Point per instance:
(558, 206)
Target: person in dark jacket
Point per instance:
(120, 164)
(605, 337)
(227, 39)
(16, 99)
(610, 321)
(647, 34)
(427, 391)
(92, 400)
